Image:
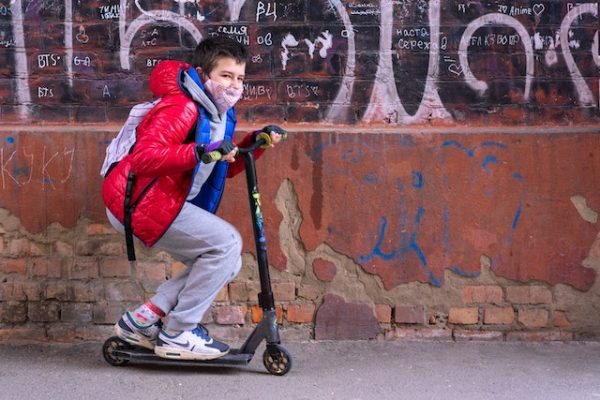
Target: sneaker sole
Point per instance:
(175, 353)
(133, 338)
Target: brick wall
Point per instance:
(446, 189)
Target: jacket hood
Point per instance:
(164, 78)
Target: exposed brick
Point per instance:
(545, 336)
(238, 291)
(44, 312)
(76, 312)
(561, 320)
(19, 247)
(122, 291)
(256, 313)
(300, 313)
(533, 317)
(47, 267)
(30, 291)
(383, 312)
(100, 229)
(114, 267)
(86, 291)
(222, 295)
(84, 269)
(529, 295)
(309, 292)
(230, 315)
(284, 291)
(13, 311)
(463, 315)
(539, 295)
(107, 313)
(464, 335)
(517, 294)
(13, 265)
(63, 249)
(56, 290)
(409, 314)
(419, 334)
(254, 290)
(24, 334)
(151, 275)
(324, 270)
(338, 320)
(483, 294)
(498, 315)
(6, 291)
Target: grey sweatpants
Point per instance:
(211, 249)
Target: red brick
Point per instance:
(324, 270)
(7, 291)
(409, 314)
(284, 291)
(13, 265)
(238, 291)
(420, 334)
(383, 312)
(30, 291)
(254, 290)
(76, 312)
(44, 312)
(230, 315)
(56, 291)
(13, 312)
(151, 275)
(309, 292)
(302, 313)
(84, 269)
(100, 229)
(23, 334)
(533, 317)
(561, 320)
(19, 247)
(498, 315)
(539, 295)
(339, 320)
(529, 295)
(257, 313)
(222, 295)
(122, 291)
(47, 267)
(545, 336)
(86, 291)
(114, 267)
(63, 249)
(464, 335)
(463, 315)
(517, 294)
(483, 294)
(107, 313)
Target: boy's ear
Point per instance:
(200, 73)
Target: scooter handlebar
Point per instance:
(263, 139)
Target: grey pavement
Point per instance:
(322, 370)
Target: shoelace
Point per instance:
(202, 332)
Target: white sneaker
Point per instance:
(138, 335)
(189, 345)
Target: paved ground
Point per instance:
(322, 370)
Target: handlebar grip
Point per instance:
(211, 156)
(265, 137)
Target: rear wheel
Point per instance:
(277, 360)
(111, 348)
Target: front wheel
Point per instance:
(277, 360)
(112, 345)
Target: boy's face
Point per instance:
(228, 72)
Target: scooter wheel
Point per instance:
(111, 345)
(277, 360)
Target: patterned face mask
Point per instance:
(223, 97)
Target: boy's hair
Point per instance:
(213, 48)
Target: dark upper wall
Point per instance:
(398, 62)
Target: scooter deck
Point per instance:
(141, 355)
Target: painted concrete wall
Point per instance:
(440, 180)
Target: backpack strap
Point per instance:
(127, 218)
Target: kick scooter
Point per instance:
(276, 359)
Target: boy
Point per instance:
(175, 196)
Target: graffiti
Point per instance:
(446, 47)
(17, 167)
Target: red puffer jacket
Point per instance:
(162, 159)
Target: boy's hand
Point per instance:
(276, 133)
